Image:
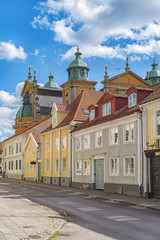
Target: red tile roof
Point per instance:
(1, 146)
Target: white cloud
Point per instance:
(9, 51)
(7, 99)
(94, 23)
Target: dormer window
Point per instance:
(106, 109)
(132, 99)
(92, 114)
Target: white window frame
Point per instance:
(86, 146)
(20, 147)
(56, 165)
(54, 119)
(79, 171)
(16, 147)
(98, 135)
(106, 109)
(112, 136)
(64, 170)
(47, 146)
(132, 100)
(33, 151)
(57, 144)
(80, 143)
(64, 142)
(84, 170)
(29, 150)
(92, 114)
(111, 172)
(157, 119)
(47, 165)
(124, 163)
(130, 140)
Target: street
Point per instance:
(112, 219)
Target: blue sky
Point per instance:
(44, 34)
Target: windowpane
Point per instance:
(129, 166)
(64, 165)
(129, 132)
(86, 141)
(78, 143)
(86, 169)
(114, 166)
(79, 167)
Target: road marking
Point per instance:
(67, 203)
(138, 207)
(122, 218)
(5, 196)
(89, 209)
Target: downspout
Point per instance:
(70, 157)
(51, 157)
(59, 174)
(144, 169)
(140, 152)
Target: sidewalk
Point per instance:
(21, 219)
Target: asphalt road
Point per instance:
(116, 220)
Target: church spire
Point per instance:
(127, 68)
(29, 74)
(106, 73)
(35, 79)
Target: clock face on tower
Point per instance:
(82, 72)
(74, 72)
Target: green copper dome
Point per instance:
(26, 109)
(51, 83)
(78, 69)
(153, 76)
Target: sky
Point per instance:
(44, 34)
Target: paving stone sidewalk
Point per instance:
(22, 219)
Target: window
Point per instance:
(56, 166)
(47, 165)
(12, 165)
(30, 167)
(113, 136)
(12, 149)
(98, 139)
(20, 147)
(47, 146)
(64, 165)
(132, 100)
(33, 152)
(78, 167)
(16, 147)
(78, 143)
(86, 167)
(9, 149)
(19, 164)
(106, 109)
(0, 160)
(64, 142)
(54, 119)
(86, 143)
(129, 132)
(114, 166)
(157, 116)
(86, 111)
(57, 144)
(129, 168)
(92, 114)
(29, 150)
(16, 164)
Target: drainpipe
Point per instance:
(139, 130)
(51, 156)
(59, 174)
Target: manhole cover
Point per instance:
(34, 236)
